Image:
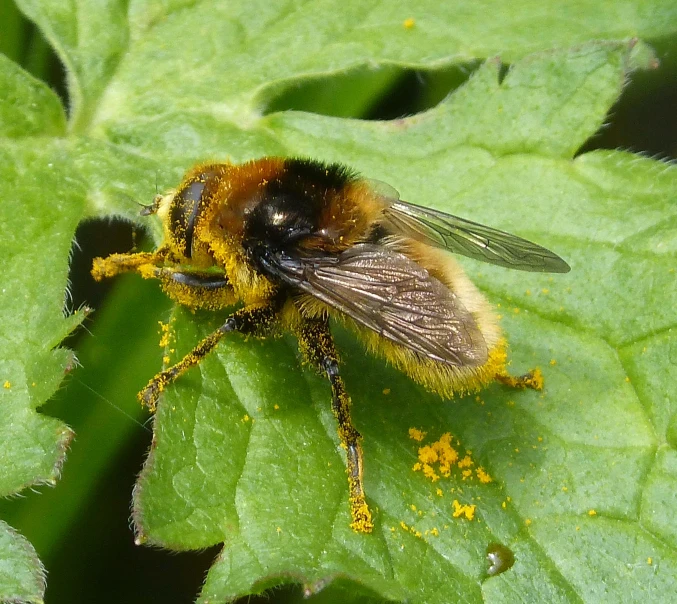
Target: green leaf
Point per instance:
(28, 107)
(35, 238)
(22, 577)
(245, 450)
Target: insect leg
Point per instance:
(197, 279)
(194, 288)
(115, 264)
(251, 319)
(317, 344)
(532, 379)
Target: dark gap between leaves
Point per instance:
(643, 119)
(34, 53)
(93, 238)
(385, 93)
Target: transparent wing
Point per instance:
(470, 238)
(392, 295)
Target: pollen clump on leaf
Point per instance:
(440, 459)
(440, 453)
(463, 510)
(167, 336)
(416, 434)
(466, 462)
(483, 476)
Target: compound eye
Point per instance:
(185, 209)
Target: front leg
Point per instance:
(192, 287)
(317, 344)
(104, 268)
(195, 288)
(255, 318)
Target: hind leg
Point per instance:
(317, 344)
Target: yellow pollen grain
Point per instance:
(466, 462)
(413, 507)
(409, 23)
(527, 522)
(7, 384)
(414, 433)
(649, 560)
(403, 525)
(276, 406)
(245, 418)
(553, 362)
(439, 492)
(386, 391)
(545, 290)
(483, 476)
(166, 334)
(428, 472)
(427, 454)
(592, 513)
(463, 510)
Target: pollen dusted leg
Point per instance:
(317, 345)
(245, 320)
(532, 379)
(115, 264)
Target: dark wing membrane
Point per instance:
(470, 239)
(392, 295)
